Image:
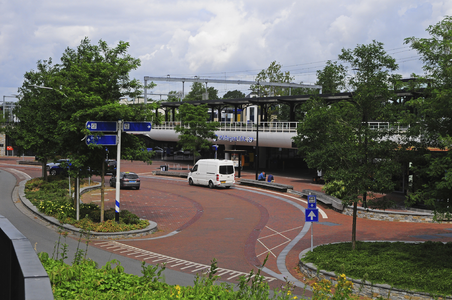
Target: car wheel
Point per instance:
(210, 185)
(111, 184)
(53, 172)
(190, 181)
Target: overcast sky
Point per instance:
(215, 39)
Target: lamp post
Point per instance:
(256, 155)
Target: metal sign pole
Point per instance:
(118, 173)
(312, 236)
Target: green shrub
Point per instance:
(51, 198)
(335, 188)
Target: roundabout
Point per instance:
(238, 227)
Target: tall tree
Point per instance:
(332, 78)
(336, 137)
(86, 85)
(39, 111)
(198, 89)
(235, 94)
(195, 130)
(433, 121)
(174, 96)
(272, 74)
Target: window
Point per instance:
(226, 170)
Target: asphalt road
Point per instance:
(43, 237)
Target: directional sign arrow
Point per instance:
(105, 126)
(137, 126)
(312, 215)
(105, 140)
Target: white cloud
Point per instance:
(232, 38)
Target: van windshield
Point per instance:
(226, 170)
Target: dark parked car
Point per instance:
(60, 168)
(126, 180)
(111, 166)
(57, 163)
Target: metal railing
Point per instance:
(276, 126)
(386, 126)
(22, 275)
(241, 126)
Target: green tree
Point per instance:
(332, 78)
(272, 74)
(87, 85)
(195, 130)
(235, 94)
(336, 137)
(39, 111)
(174, 96)
(432, 121)
(197, 89)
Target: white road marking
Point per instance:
(185, 264)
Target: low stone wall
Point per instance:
(363, 288)
(393, 216)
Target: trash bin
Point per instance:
(163, 168)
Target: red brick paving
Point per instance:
(225, 224)
(232, 221)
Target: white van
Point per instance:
(213, 173)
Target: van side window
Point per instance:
(226, 170)
(195, 168)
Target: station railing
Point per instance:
(275, 126)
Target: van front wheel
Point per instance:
(210, 185)
(190, 181)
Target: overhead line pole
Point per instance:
(227, 81)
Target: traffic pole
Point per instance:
(312, 236)
(118, 173)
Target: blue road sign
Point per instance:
(105, 140)
(312, 201)
(137, 126)
(312, 215)
(105, 126)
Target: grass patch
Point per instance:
(85, 280)
(424, 267)
(52, 198)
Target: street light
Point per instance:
(256, 156)
(47, 88)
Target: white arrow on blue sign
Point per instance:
(312, 215)
(104, 140)
(105, 126)
(137, 126)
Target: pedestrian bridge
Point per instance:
(270, 134)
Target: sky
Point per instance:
(213, 39)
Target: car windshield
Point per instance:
(130, 176)
(226, 170)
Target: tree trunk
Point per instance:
(102, 192)
(365, 199)
(355, 211)
(44, 169)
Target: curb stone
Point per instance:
(77, 231)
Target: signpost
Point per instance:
(312, 215)
(112, 140)
(102, 126)
(137, 126)
(105, 140)
(312, 201)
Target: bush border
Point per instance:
(152, 227)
